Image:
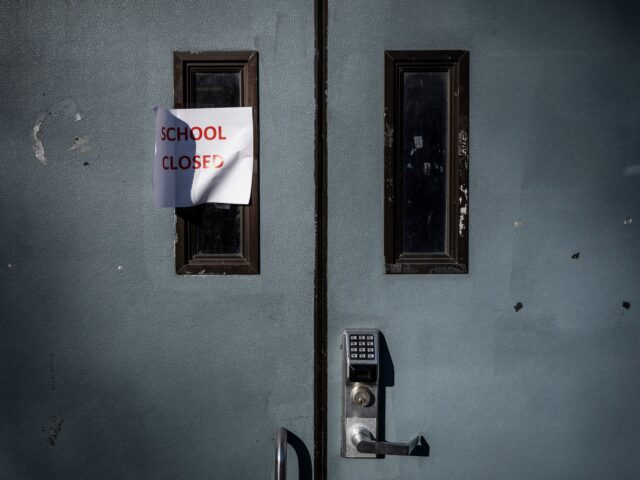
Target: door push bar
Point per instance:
(281, 454)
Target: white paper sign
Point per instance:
(203, 155)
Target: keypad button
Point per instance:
(370, 355)
(369, 337)
(362, 344)
(369, 349)
(361, 337)
(370, 344)
(354, 355)
(362, 355)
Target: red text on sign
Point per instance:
(175, 134)
(187, 162)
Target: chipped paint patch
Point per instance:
(38, 147)
(627, 221)
(518, 224)
(54, 429)
(80, 144)
(575, 256)
(120, 268)
(626, 305)
(518, 306)
(66, 108)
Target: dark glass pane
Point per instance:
(218, 230)
(425, 120)
(216, 90)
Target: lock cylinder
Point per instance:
(362, 396)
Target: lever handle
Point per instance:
(364, 442)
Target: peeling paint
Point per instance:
(388, 135)
(464, 210)
(576, 255)
(120, 268)
(38, 148)
(463, 216)
(463, 143)
(627, 221)
(463, 169)
(626, 305)
(518, 306)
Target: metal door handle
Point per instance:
(364, 442)
(281, 454)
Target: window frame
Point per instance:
(247, 262)
(455, 258)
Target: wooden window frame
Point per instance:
(455, 257)
(187, 261)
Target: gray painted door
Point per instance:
(111, 366)
(550, 391)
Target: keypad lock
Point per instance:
(360, 400)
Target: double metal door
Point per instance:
(115, 367)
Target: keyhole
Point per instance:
(361, 396)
